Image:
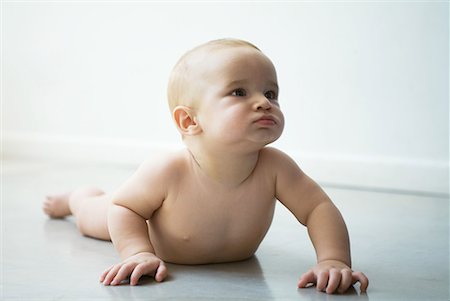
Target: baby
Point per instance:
(214, 201)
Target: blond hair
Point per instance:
(179, 86)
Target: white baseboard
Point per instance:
(384, 174)
(379, 173)
(79, 148)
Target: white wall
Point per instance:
(364, 86)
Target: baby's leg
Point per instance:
(88, 205)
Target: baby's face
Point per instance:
(238, 98)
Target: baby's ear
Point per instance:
(186, 121)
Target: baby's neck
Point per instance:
(227, 169)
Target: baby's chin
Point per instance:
(261, 143)
(266, 139)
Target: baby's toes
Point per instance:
(46, 206)
(56, 206)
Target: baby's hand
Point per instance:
(144, 263)
(333, 276)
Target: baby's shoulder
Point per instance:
(274, 156)
(164, 164)
(276, 160)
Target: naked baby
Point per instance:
(214, 201)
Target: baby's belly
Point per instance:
(209, 238)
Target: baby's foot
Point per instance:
(57, 206)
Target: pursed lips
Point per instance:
(266, 120)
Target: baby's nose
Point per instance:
(263, 104)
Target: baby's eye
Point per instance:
(270, 95)
(239, 92)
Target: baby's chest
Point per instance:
(214, 214)
(220, 207)
(211, 227)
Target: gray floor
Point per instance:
(399, 241)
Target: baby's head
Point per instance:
(181, 82)
(218, 86)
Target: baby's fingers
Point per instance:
(333, 281)
(161, 272)
(156, 268)
(110, 274)
(124, 271)
(363, 280)
(346, 281)
(307, 278)
(322, 280)
(103, 275)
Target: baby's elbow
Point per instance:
(118, 199)
(115, 202)
(120, 211)
(320, 211)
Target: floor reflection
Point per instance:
(312, 294)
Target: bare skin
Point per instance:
(88, 204)
(207, 223)
(57, 206)
(214, 201)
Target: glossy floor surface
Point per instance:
(400, 241)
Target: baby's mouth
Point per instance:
(266, 120)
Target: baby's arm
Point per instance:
(326, 227)
(132, 205)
